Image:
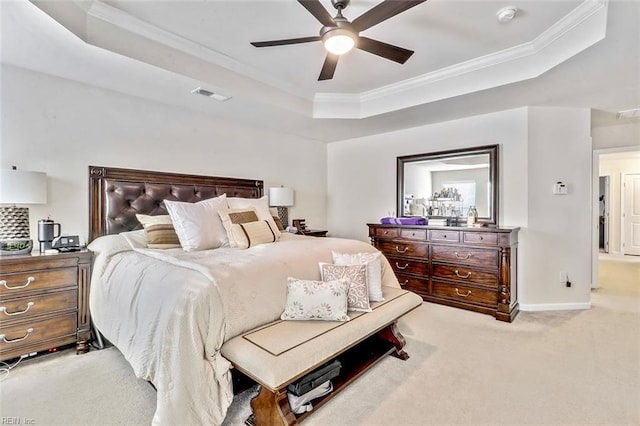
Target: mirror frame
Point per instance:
(492, 150)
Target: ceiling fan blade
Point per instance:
(285, 41)
(387, 51)
(329, 67)
(382, 12)
(318, 11)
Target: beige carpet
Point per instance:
(570, 367)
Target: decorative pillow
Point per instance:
(232, 217)
(358, 297)
(374, 270)
(245, 235)
(261, 206)
(159, 231)
(316, 300)
(278, 222)
(198, 225)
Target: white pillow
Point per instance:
(358, 298)
(261, 206)
(316, 300)
(374, 270)
(198, 225)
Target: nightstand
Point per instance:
(44, 302)
(313, 232)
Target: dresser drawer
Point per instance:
(16, 284)
(443, 235)
(465, 274)
(466, 256)
(28, 333)
(481, 238)
(405, 266)
(414, 234)
(465, 294)
(415, 285)
(387, 232)
(408, 249)
(27, 307)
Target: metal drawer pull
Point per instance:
(4, 309)
(462, 276)
(402, 284)
(29, 281)
(3, 337)
(467, 256)
(406, 265)
(463, 295)
(401, 251)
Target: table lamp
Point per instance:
(19, 187)
(281, 198)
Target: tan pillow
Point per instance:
(358, 298)
(251, 234)
(261, 206)
(234, 217)
(159, 231)
(278, 222)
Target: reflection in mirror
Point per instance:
(444, 186)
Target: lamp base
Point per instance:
(14, 223)
(283, 214)
(15, 246)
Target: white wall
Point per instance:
(623, 135)
(559, 226)
(60, 127)
(537, 147)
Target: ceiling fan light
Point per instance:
(339, 41)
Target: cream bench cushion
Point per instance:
(278, 353)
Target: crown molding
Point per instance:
(579, 29)
(576, 31)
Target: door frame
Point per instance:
(595, 227)
(607, 211)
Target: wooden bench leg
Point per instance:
(271, 408)
(392, 334)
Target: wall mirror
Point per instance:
(443, 186)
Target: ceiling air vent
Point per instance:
(628, 113)
(210, 94)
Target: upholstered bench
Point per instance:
(281, 352)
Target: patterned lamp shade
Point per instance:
(19, 187)
(281, 198)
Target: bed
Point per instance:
(169, 311)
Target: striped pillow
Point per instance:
(159, 231)
(251, 234)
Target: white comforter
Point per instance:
(169, 312)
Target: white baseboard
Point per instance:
(536, 307)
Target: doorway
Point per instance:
(631, 214)
(603, 215)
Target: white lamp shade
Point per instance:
(23, 187)
(280, 197)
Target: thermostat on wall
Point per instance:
(560, 188)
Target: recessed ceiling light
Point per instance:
(204, 92)
(506, 14)
(628, 113)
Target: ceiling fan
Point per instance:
(340, 36)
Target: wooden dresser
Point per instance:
(464, 267)
(44, 302)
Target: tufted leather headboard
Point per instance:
(117, 195)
